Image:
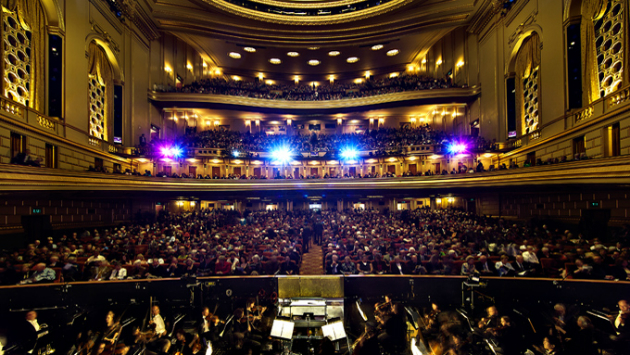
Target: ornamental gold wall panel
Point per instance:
(530, 101)
(610, 47)
(17, 61)
(97, 107)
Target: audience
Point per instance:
(305, 92)
(206, 243)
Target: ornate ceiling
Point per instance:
(281, 28)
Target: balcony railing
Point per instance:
(193, 99)
(13, 111)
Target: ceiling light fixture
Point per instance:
(377, 47)
(275, 61)
(313, 62)
(249, 49)
(293, 54)
(352, 59)
(334, 53)
(392, 52)
(234, 55)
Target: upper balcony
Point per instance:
(418, 97)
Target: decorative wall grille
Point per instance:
(17, 59)
(97, 108)
(610, 47)
(530, 101)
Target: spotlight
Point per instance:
(349, 153)
(235, 153)
(171, 152)
(456, 148)
(281, 155)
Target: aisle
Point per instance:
(312, 261)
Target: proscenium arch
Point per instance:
(527, 32)
(53, 16)
(119, 78)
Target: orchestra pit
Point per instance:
(325, 177)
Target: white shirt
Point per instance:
(118, 274)
(34, 324)
(206, 325)
(160, 328)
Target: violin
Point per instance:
(214, 319)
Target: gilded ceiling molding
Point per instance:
(307, 5)
(323, 36)
(307, 20)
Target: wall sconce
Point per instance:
(367, 74)
(248, 123)
(257, 122)
(216, 123)
(168, 69)
(189, 66)
(331, 78)
(460, 64)
(217, 71)
(439, 62)
(296, 79)
(289, 122)
(339, 121)
(260, 76)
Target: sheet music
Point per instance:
(282, 329)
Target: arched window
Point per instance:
(23, 34)
(602, 33)
(100, 93)
(527, 85)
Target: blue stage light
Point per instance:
(171, 152)
(281, 155)
(349, 153)
(456, 148)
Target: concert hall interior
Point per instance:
(315, 177)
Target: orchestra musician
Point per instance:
(210, 325)
(186, 343)
(253, 314)
(621, 324)
(394, 329)
(491, 321)
(383, 310)
(158, 341)
(111, 331)
(367, 343)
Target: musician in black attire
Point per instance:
(185, 343)
(395, 330)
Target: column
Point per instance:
(432, 203)
(340, 205)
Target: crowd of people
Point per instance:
(381, 140)
(205, 243)
(307, 92)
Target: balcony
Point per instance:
(193, 100)
(609, 171)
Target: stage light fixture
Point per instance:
(349, 153)
(171, 152)
(281, 155)
(456, 148)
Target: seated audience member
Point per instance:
(41, 274)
